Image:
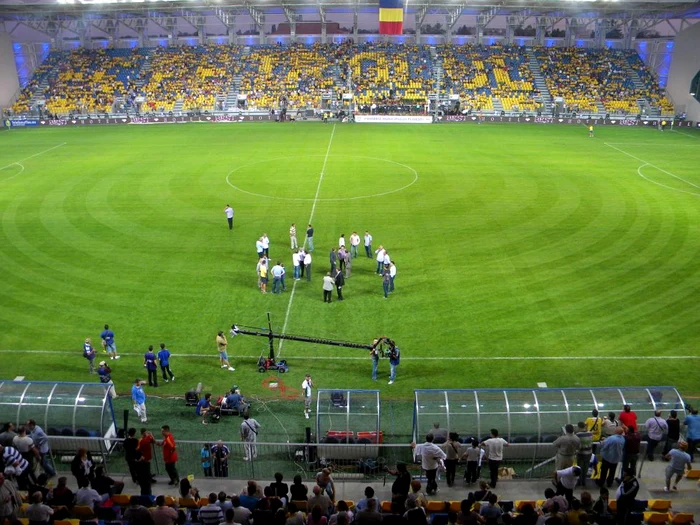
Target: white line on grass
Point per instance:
(16, 174)
(644, 162)
(639, 172)
(409, 358)
(35, 155)
(313, 211)
(686, 134)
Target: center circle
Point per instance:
(408, 170)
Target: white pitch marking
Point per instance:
(642, 144)
(639, 172)
(35, 155)
(686, 134)
(426, 358)
(16, 174)
(652, 165)
(313, 211)
(338, 199)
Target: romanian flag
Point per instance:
(390, 17)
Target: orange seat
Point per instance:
(121, 499)
(656, 518)
(682, 518)
(693, 474)
(169, 501)
(455, 506)
(301, 505)
(386, 506)
(351, 504)
(540, 502)
(188, 503)
(612, 505)
(436, 506)
(519, 504)
(477, 506)
(23, 521)
(659, 505)
(67, 522)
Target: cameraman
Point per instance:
(394, 360)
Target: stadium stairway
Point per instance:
(38, 93)
(601, 107)
(143, 73)
(540, 83)
(179, 104)
(497, 106)
(232, 95)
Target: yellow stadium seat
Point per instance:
(656, 518)
(659, 505)
(436, 506)
(386, 506)
(519, 504)
(455, 506)
(693, 474)
(612, 504)
(121, 499)
(188, 503)
(83, 512)
(301, 505)
(682, 518)
(351, 504)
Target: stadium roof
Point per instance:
(19, 9)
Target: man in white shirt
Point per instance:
(295, 262)
(392, 274)
(380, 259)
(293, 236)
(566, 480)
(657, 428)
(368, 245)
(277, 272)
(328, 284)
(229, 216)
(387, 259)
(431, 456)
(307, 265)
(341, 241)
(306, 386)
(259, 248)
(265, 244)
(85, 496)
(494, 447)
(41, 442)
(354, 243)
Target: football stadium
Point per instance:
(317, 262)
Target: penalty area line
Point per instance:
(35, 155)
(408, 358)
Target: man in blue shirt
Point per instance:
(203, 407)
(309, 244)
(104, 372)
(138, 396)
(611, 452)
(149, 361)
(164, 360)
(108, 344)
(693, 435)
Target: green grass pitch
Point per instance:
(511, 241)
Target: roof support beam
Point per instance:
(420, 17)
(291, 18)
(258, 17)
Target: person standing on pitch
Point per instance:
(392, 274)
(306, 387)
(164, 360)
(368, 245)
(296, 264)
(293, 236)
(309, 244)
(222, 345)
(108, 344)
(354, 243)
(333, 258)
(341, 241)
(229, 216)
(307, 265)
(374, 354)
(249, 435)
(265, 244)
(149, 361)
(380, 259)
(89, 354)
(339, 283)
(394, 360)
(327, 288)
(342, 257)
(138, 396)
(386, 282)
(348, 265)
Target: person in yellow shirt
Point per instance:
(590, 131)
(594, 424)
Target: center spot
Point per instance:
(346, 177)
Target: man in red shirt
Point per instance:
(627, 417)
(169, 454)
(145, 448)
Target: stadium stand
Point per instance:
(391, 76)
(300, 73)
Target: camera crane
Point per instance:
(383, 344)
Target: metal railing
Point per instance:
(348, 462)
